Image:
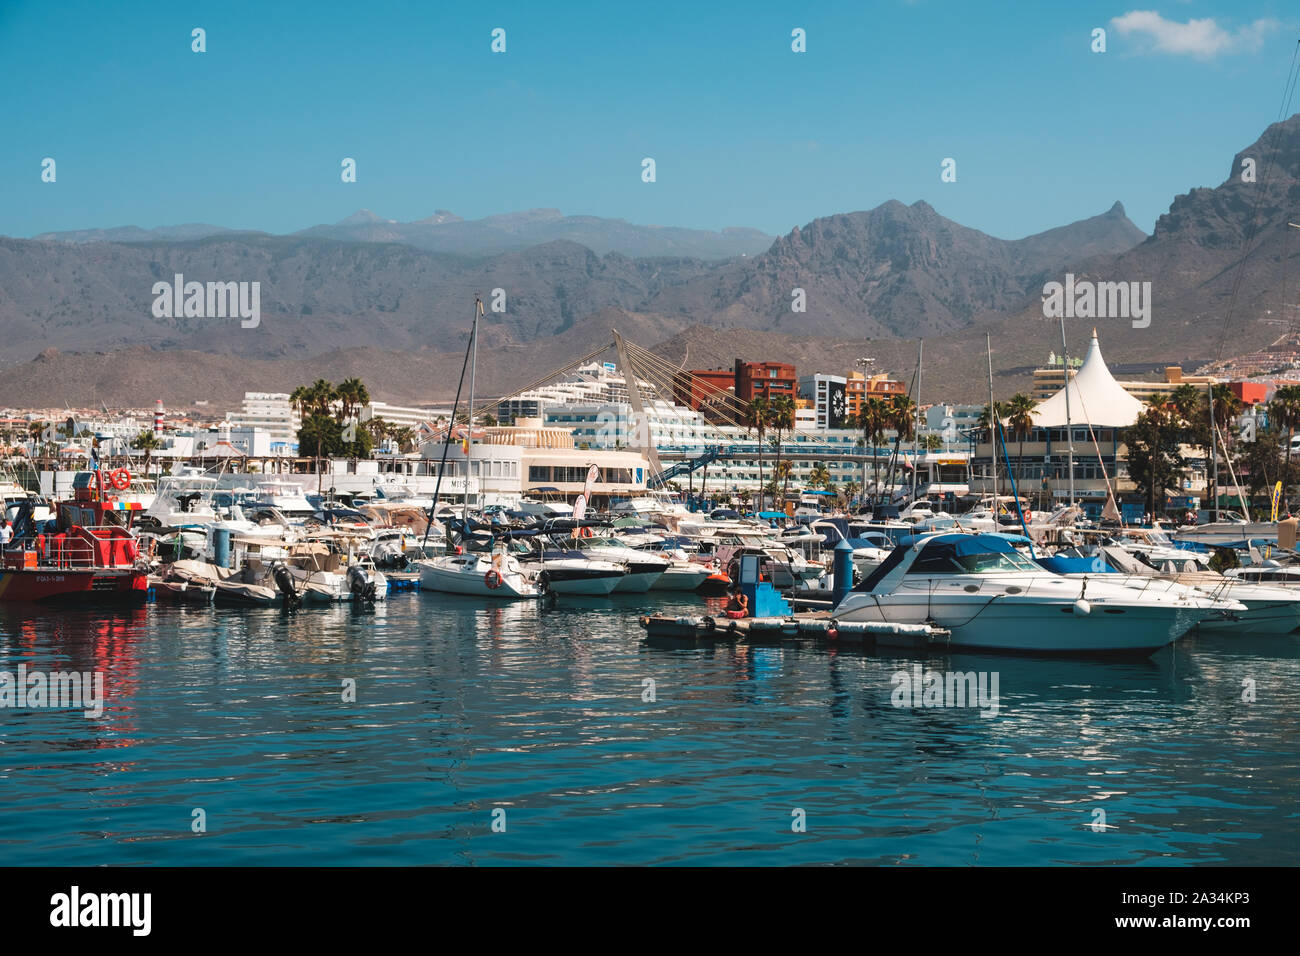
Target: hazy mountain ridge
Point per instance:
(444, 231)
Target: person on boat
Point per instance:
(737, 604)
(6, 534)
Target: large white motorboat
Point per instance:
(569, 571)
(479, 573)
(1230, 529)
(991, 597)
(1270, 606)
(285, 497)
(643, 568)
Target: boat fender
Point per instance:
(832, 632)
(1082, 607)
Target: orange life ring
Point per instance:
(584, 532)
(492, 579)
(120, 479)
(1029, 516)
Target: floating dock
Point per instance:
(815, 625)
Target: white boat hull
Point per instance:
(679, 578)
(437, 576)
(1031, 628)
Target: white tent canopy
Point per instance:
(1095, 398)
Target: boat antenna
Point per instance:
(451, 422)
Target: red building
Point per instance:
(768, 379)
(695, 388)
(1249, 393)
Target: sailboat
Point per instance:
(480, 573)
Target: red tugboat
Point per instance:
(90, 553)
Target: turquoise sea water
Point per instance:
(462, 709)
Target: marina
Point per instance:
(592, 439)
(426, 657)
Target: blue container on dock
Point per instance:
(843, 570)
(221, 547)
(764, 600)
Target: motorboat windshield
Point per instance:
(953, 554)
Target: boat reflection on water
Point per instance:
(87, 642)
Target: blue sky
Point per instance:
(744, 132)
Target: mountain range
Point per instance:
(369, 293)
(444, 231)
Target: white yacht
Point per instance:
(993, 598)
(569, 571)
(285, 497)
(643, 568)
(479, 573)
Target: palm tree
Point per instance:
(1186, 399)
(872, 420)
(147, 442)
(851, 489)
(321, 394)
(1021, 421)
(353, 394)
(758, 416)
(1227, 406)
(405, 438)
(299, 398)
(1284, 410)
(781, 420)
(901, 418)
(782, 471)
(819, 477)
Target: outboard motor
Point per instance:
(390, 557)
(360, 583)
(284, 581)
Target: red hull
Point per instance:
(74, 584)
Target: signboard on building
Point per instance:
(836, 406)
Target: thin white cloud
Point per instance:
(1200, 38)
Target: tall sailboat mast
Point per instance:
(469, 425)
(1069, 431)
(916, 428)
(1214, 455)
(993, 424)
